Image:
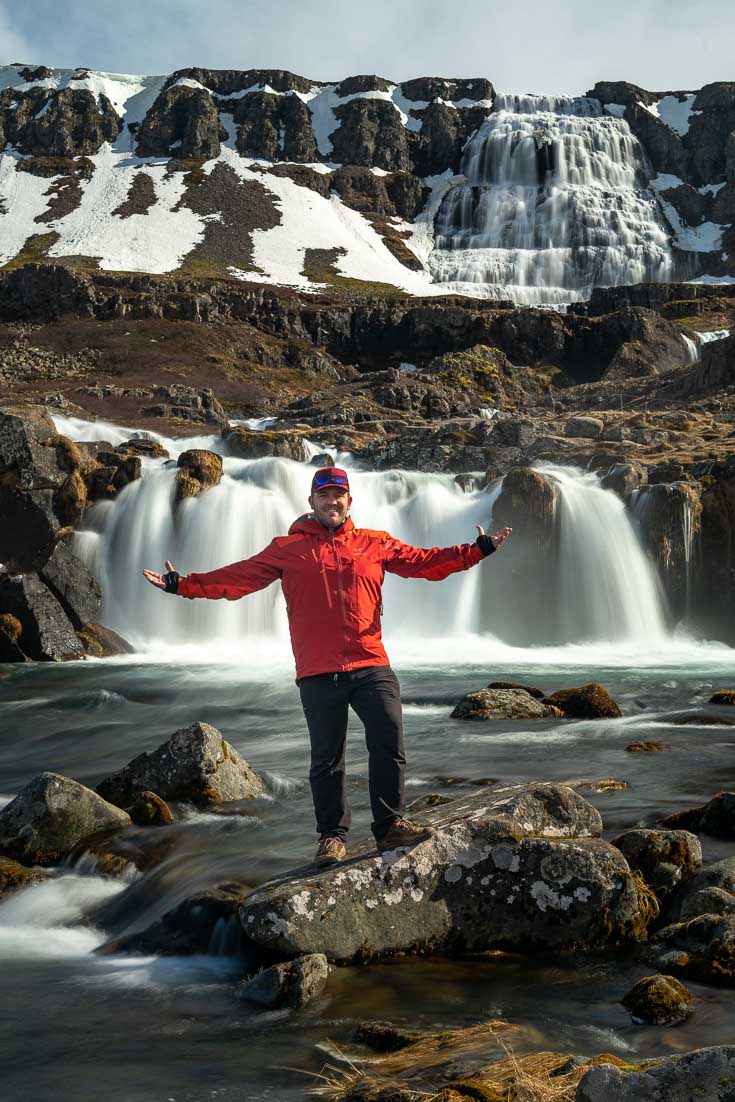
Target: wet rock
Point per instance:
(720, 874)
(723, 696)
(623, 479)
(384, 1036)
(583, 426)
(30, 479)
(293, 984)
(591, 701)
(50, 816)
(249, 444)
(708, 901)
(195, 765)
(149, 449)
(512, 867)
(150, 810)
(706, 1073)
(14, 876)
(10, 632)
(668, 515)
(537, 694)
(201, 923)
(718, 816)
(502, 704)
(101, 642)
(199, 470)
(72, 584)
(702, 948)
(46, 635)
(658, 1000)
(646, 747)
(664, 858)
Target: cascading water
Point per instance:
(607, 590)
(554, 203)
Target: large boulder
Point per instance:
(30, 480)
(591, 701)
(706, 1073)
(46, 632)
(520, 867)
(72, 585)
(292, 984)
(50, 816)
(716, 818)
(195, 765)
(502, 704)
(720, 875)
(707, 901)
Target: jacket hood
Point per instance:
(308, 525)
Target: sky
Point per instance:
(529, 46)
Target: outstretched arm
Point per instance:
(228, 582)
(436, 563)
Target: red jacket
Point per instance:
(332, 583)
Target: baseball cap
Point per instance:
(330, 476)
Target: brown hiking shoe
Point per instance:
(330, 851)
(403, 833)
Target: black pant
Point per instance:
(375, 695)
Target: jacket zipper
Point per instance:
(322, 570)
(338, 562)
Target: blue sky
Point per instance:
(553, 46)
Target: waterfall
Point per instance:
(553, 203)
(607, 590)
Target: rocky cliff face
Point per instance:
(386, 151)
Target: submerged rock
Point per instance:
(195, 765)
(658, 1000)
(519, 866)
(50, 816)
(292, 984)
(647, 747)
(723, 696)
(706, 1073)
(664, 858)
(502, 704)
(591, 701)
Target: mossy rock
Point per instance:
(723, 696)
(591, 701)
(150, 810)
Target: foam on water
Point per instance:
(48, 919)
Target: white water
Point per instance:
(606, 593)
(554, 203)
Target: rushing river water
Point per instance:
(75, 1025)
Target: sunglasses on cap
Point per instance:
(329, 477)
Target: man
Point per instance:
(332, 576)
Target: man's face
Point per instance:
(331, 505)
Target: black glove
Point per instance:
(486, 545)
(172, 581)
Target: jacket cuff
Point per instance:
(486, 545)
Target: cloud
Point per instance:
(535, 46)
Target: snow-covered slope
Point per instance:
(270, 177)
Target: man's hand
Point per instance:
(498, 538)
(160, 580)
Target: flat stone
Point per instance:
(518, 866)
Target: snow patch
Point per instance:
(711, 189)
(676, 113)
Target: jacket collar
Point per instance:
(308, 525)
